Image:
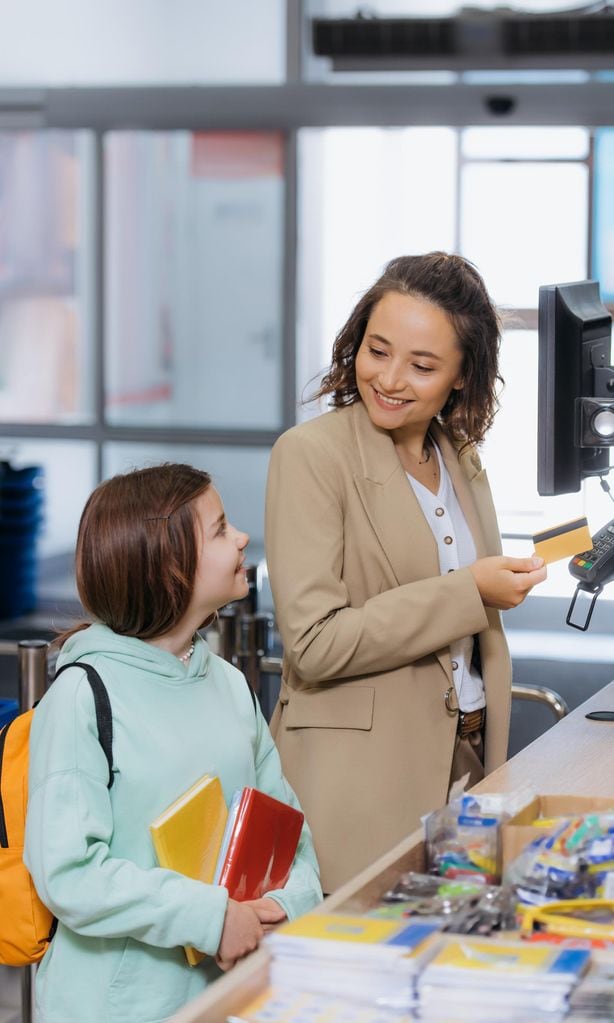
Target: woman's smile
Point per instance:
(387, 401)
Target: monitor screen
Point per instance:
(575, 386)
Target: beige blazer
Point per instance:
(366, 621)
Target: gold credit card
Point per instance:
(563, 541)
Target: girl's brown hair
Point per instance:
(454, 285)
(138, 548)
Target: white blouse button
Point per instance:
(440, 511)
(454, 665)
(448, 540)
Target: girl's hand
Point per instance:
(268, 911)
(242, 934)
(504, 582)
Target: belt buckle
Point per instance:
(463, 727)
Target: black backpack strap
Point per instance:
(104, 719)
(251, 693)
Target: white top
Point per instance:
(456, 549)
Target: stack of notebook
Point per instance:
(281, 1005)
(373, 962)
(509, 981)
(249, 849)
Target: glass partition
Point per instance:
(46, 282)
(193, 266)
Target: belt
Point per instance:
(470, 722)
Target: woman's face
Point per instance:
(408, 363)
(220, 576)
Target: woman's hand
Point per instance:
(242, 933)
(504, 582)
(268, 911)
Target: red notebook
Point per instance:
(260, 846)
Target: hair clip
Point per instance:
(156, 518)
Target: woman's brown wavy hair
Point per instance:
(137, 550)
(453, 284)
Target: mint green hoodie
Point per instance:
(117, 955)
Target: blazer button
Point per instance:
(439, 512)
(448, 540)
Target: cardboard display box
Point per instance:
(519, 830)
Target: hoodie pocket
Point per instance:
(150, 984)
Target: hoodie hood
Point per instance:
(135, 654)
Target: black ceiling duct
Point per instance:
(591, 34)
(382, 37)
(473, 39)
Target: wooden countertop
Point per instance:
(574, 757)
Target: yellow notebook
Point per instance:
(188, 835)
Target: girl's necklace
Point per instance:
(184, 658)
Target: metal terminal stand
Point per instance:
(585, 588)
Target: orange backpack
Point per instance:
(26, 925)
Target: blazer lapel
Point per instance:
(391, 505)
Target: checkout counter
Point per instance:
(575, 757)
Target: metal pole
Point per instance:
(32, 676)
(27, 1003)
(32, 671)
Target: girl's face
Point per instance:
(220, 576)
(408, 362)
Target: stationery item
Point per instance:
(362, 959)
(481, 978)
(572, 918)
(462, 840)
(461, 907)
(563, 541)
(230, 823)
(187, 836)
(260, 845)
(571, 858)
(593, 998)
(281, 1005)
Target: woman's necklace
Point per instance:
(433, 470)
(184, 658)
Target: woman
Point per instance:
(384, 559)
(155, 558)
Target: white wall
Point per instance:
(130, 42)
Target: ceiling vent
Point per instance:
(592, 34)
(473, 39)
(383, 37)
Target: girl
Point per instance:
(155, 559)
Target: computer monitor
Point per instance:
(575, 425)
